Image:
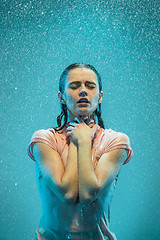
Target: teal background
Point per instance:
(121, 39)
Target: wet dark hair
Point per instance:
(62, 82)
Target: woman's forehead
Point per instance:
(82, 74)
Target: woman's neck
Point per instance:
(88, 119)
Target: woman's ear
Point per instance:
(100, 97)
(61, 98)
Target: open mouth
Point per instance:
(83, 100)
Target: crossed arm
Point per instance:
(78, 179)
(93, 182)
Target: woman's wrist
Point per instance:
(86, 142)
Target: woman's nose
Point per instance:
(83, 92)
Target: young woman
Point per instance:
(77, 164)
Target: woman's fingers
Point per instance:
(78, 120)
(70, 128)
(72, 124)
(86, 120)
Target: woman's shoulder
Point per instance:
(114, 134)
(47, 136)
(58, 132)
(111, 140)
(42, 132)
(50, 130)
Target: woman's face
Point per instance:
(81, 84)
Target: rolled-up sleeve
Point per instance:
(43, 136)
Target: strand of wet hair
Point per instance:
(100, 120)
(65, 114)
(59, 118)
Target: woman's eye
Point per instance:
(91, 86)
(74, 87)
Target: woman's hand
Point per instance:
(80, 132)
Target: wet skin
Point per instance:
(81, 82)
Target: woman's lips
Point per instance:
(83, 104)
(83, 100)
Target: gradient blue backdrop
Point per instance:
(121, 39)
